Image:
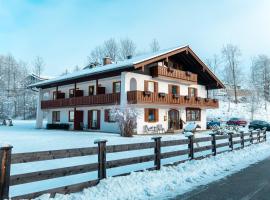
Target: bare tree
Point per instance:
(214, 64)
(38, 65)
(154, 45)
(260, 72)
(126, 119)
(110, 48)
(127, 48)
(96, 56)
(232, 72)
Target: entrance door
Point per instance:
(94, 119)
(173, 119)
(78, 120)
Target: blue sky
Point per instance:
(64, 32)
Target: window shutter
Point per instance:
(106, 115)
(90, 114)
(157, 115)
(146, 113)
(189, 92)
(196, 92)
(155, 86)
(178, 90)
(169, 89)
(145, 85)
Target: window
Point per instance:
(71, 116)
(109, 115)
(117, 87)
(151, 86)
(174, 89)
(55, 116)
(193, 114)
(151, 115)
(71, 93)
(91, 90)
(192, 92)
(54, 95)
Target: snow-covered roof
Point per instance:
(106, 68)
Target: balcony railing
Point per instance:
(135, 97)
(158, 70)
(101, 99)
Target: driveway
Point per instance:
(252, 183)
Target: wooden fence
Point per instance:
(7, 159)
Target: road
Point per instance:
(252, 183)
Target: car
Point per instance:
(237, 122)
(212, 122)
(259, 124)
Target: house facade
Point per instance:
(165, 88)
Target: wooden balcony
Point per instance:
(101, 99)
(161, 71)
(138, 97)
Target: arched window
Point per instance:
(133, 84)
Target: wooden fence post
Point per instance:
(258, 135)
(264, 134)
(5, 159)
(101, 158)
(191, 146)
(251, 137)
(230, 141)
(214, 144)
(157, 152)
(242, 139)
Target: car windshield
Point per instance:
(234, 119)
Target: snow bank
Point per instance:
(171, 181)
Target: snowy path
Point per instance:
(250, 183)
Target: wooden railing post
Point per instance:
(230, 141)
(5, 159)
(214, 144)
(258, 135)
(101, 158)
(242, 139)
(251, 137)
(157, 152)
(191, 147)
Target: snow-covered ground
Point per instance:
(171, 181)
(25, 138)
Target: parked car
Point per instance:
(237, 122)
(212, 122)
(259, 124)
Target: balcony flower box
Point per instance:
(176, 96)
(161, 94)
(147, 93)
(207, 99)
(187, 97)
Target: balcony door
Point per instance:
(173, 119)
(94, 119)
(78, 120)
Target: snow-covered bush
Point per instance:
(126, 119)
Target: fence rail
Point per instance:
(7, 159)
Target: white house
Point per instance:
(166, 88)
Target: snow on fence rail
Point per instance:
(7, 159)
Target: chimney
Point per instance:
(107, 60)
(129, 56)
